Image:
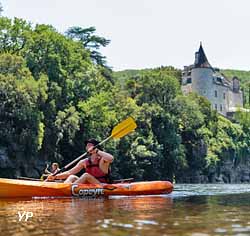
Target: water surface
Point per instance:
(197, 210)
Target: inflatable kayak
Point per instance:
(13, 188)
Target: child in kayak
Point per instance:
(54, 169)
(97, 167)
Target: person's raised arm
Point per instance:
(46, 171)
(106, 156)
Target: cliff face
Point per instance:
(232, 171)
(18, 166)
(6, 165)
(227, 171)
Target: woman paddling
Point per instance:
(97, 167)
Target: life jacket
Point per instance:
(93, 169)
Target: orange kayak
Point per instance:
(11, 188)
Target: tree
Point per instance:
(64, 74)
(21, 126)
(154, 87)
(243, 118)
(14, 35)
(158, 150)
(90, 41)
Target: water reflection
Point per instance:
(71, 216)
(196, 215)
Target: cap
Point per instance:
(93, 141)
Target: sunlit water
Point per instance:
(197, 210)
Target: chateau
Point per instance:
(223, 93)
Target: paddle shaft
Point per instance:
(27, 178)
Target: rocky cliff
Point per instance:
(12, 167)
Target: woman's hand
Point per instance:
(92, 150)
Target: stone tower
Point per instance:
(224, 94)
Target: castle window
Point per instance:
(189, 80)
(224, 95)
(215, 93)
(219, 79)
(215, 106)
(221, 107)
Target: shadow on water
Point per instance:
(213, 210)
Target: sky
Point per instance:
(152, 33)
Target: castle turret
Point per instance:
(202, 78)
(202, 72)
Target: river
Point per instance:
(193, 210)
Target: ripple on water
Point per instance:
(137, 224)
(146, 222)
(220, 230)
(182, 190)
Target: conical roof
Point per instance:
(201, 59)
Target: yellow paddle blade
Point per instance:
(124, 128)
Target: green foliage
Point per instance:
(19, 115)
(40, 135)
(188, 113)
(14, 35)
(55, 72)
(243, 118)
(90, 41)
(67, 123)
(228, 137)
(131, 76)
(153, 87)
(56, 92)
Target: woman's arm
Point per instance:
(105, 156)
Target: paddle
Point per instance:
(119, 131)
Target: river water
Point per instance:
(193, 210)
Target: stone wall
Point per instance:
(235, 99)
